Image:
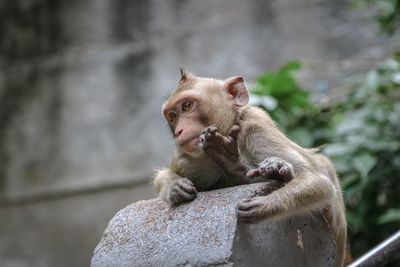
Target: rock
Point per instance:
(205, 232)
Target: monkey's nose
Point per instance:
(177, 134)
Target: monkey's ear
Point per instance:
(236, 88)
(185, 75)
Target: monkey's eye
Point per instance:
(171, 116)
(187, 105)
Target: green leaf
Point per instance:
(342, 164)
(363, 163)
(396, 78)
(353, 192)
(280, 118)
(383, 145)
(348, 181)
(372, 80)
(290, 67)
(391, 215)
(353, 121)
(338, 149)
(355, 221)
(362, 136)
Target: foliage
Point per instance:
(288, 103)
(366, 151)
(387, 13)
(362, 133)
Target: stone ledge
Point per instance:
(206, 232)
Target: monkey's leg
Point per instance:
(174, 189)
(224, 151)
(308, 191)
(273, 168)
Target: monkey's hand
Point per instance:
(273, 168)
(255, 209)
(224, 151)
(182, 190)
(259, 207)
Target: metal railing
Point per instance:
(385, 252)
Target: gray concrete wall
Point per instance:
(81, 83)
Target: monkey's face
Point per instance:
(187, 121)
(199, 102)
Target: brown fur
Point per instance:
(315, 185)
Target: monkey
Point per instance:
(222, 141)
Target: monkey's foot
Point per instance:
(181, 191)
(274, 168)
(255, 209)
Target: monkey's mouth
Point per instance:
(189, 140)
(190, 144)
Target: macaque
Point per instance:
(221, 141)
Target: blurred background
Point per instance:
(82, 82)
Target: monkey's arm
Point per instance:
(307, 191)
(307, 184)
(172, 188)
(224, 151)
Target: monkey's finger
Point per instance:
(185, 180)
(234, 131)
(246, 200)
(211, 129)
(284, 170)
(208, 133)
(230, 146)
(188, 196)
(248, 216)
(202, 140)
(187, 186)
(174, 199)
(248, 210)
(218, 138)
(266, 171)
(208, 136)
(248, 204)
(181, 193)
(276, 167)
(252, 173)
(230, 141)
(279, 164)
(188, 189)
